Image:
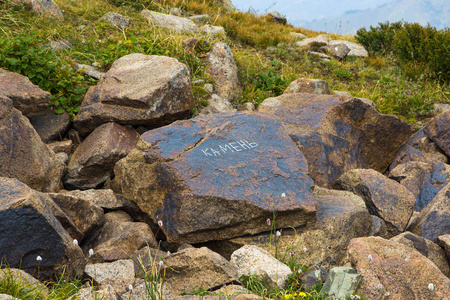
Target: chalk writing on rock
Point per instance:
(238, 146)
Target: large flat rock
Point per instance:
(218, 176)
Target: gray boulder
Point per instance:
(306, 85)
(117, 20)
(171, 22)
(355, 49)
(277, 17)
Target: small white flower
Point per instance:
(161, 264)
(99, 41)
(83, 41)
(168, 253)
(431, 287)
(283, 195)
(299, 271)
(141, 286)
(355, 280)
(268, 221)
(130, 287)
(370, 257)
(380, 286)
(160, 223)
(387, 294)
(75, 242)
(91, 252)
(38, 258)
(304, 249)
(278, 234)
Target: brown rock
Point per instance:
(385, 198)
(23, 155)
(92, 163)
(26, 97)
(62, 146)
(118, 216)
(50, 126)
(218, 176)
(318, 39)
(396, 269)
(138, 90)
(311, 86)
(444, 242)
(47, 7)
(119, 274)
(438, 131)
(148, 260)
(104, 198)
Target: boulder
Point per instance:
(26, 97)
(297, 35)
(438, 131)
(89, 70)
(147, 260)
(341, 282)
(23, 155)
(117, 20)
(218, 176)
(50, 126)
(338, 51)
(434, 219)
(277, 17)
(392, 268)
(217, 105)
(65, 146)
(247, 106)
(118, 216)
(90, 293)
(106, 198)
(138, 90)
(30, 236)
(251, 260)
(427, 248)
(318, 39)
(200, 18)
(336, 135)
(119, 274)
(384, 197)
(213, 31)
(92, 163)
(355, 49)
(305, 85)
(174, 23)
(322, 56)
(444, 242)
(194, 268)
(47, 7)
(221, 66)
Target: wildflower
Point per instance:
(130, 287)
(38, 258)
(283, 195)
(168, 253)
(268, 221)
(291, 253)
(160, 223)
(161, 264)
(380, 286)
(301, 294)
(75, 242)
(99, 41)
(278, 233)
(431, 287)
(91, 252)
(370, 257)
(299, 271)
(83, 41)
(386, 295)
(304, 249)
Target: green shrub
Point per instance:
(378, 39)
(271, 82)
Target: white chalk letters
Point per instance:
(238, 146)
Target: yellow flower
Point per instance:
(301, 294)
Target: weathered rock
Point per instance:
(323, 57)
(90, 293)
(92, 163)
(118, 216)
(195, 268)
(117, 20)
(171, 22)
(384, 197)
(86, 216)
(297, 35)
(227, 4)
(339, 51)
(401, 271)
(119, 274)
(50, 126)
(26, 97)
(427, 248)
(251, 260)
(305, 85)
(28, 229)
(148, 260)
(213, 31)
(355, 49)
(444, 242)
(318, 39)
(200, 18)
(47, 7)
(221, 66)
(138, 90)
(423, 180)
(217, 105)
(119, 240)
(185, 175)
(438, 131)
(341, 282)
(434, 219)
(247, 106)
(277, 17)
(312, 277)
(22, 279)
(23, 155)
(90, 70)
(65, 146)
(104, 198)
(336, 135)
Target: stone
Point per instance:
(423, 179)
(90, 71)
(437, 130)
(227, 4)
(222, 68)
(118, 216)
(384, 197)
(147, 260)
(318, 39)
(23, 155)
(50, 126)
(298, 35)
(62, 156)
(396, 269)
(379, 227)
(209, 88)
(60, 45)
(427, 248)
(305, 85)
(251, 260)
(311, 277)
(65, 146)
(323, 57)
(277, 17)
(174, 23)
(355, 49)
(345, 96)
(92, 163)
(138, 90)
(339, 51)
(119, 240)
(434, 219)
(200, 18)
(47, 7)
(26, 96)
(22, 278)
(247, 106)
(85, 215)
(341, 282)
(90, 293)
(193, 166)
(213, 31)
(29, 231)
(336, 135)
(217, 105)
(444, 242)
(119, 274)
(105, 198)
(117, 20)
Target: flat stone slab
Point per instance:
(218, 176)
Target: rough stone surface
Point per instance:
(138, 90)
(28, 229)
(119, 274)
(444, 242)
(384, 197)
(89, 293)
(277, 17)
(171, 22)
(323, 57)
(434, 219)
(427, 248)
(298, 35)
(65, 146)
(117, 20)
(341, 282)
(106, 198)
(218, 105)
(305, 85)
(221, 66)
(50, 126)
(23, 155)
(423, 180)
(247, 106)
(92, 163)
(339, 51)
(355, 49)
(118, 216)
(396, 269)
(312, 277)
(195, 268)
(218, 176)
(318, 39)
(90, 70)
(438, 131)
(148, 259)
(251, 259)
(119, 240)
(47, 7)
(336, 135)
(213, 31)
(200, 18)
(26, 97)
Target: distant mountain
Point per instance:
(435, 12)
